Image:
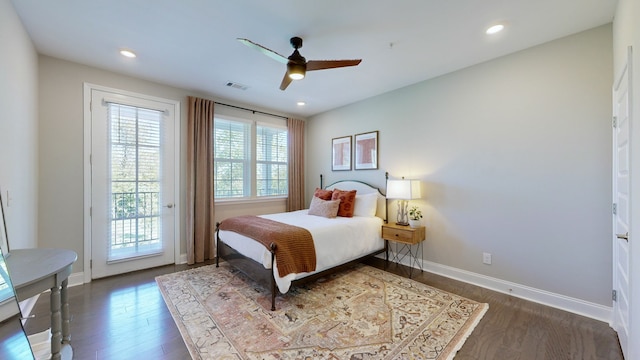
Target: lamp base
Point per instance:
(401, 219)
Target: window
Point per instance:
(231, 158)
(135, 152)
(250, 159)
(271, 161)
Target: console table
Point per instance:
(34, 271)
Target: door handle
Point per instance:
(169, 206)
(624, 236)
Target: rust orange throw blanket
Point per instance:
(295, 252)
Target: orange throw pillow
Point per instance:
(347, 202)
(323, 194)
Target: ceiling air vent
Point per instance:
(236, 85)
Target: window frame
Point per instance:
(251, 183)
(271, 162)
(246, 171)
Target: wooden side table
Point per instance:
(407, 237)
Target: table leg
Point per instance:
(56, 324)
(64, 297)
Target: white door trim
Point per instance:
(623, 213)
(87, 88)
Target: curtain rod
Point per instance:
(253, 111)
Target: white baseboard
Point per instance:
(76, 279)
(576, 306)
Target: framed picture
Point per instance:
(366, 149)
(341, 153)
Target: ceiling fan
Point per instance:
(297, 65)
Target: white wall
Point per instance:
(61, 146)
(18, 129)
(515, 157)
(61, 149)
(626, 32)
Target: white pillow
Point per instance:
(324, 208)
(366, 205)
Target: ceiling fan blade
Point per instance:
(270, 53)
(330, 64)
(286, 80)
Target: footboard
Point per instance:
(248, 266)
(260, 274)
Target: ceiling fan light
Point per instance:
(296, 76)
(296, 71)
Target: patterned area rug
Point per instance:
(362, 313)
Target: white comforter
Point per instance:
(337, 241)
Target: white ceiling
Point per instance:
(192, 44)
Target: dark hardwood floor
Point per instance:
(125, 317)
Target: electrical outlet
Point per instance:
(486, 258)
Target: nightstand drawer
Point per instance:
(403, 235)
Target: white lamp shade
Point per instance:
(403, 189)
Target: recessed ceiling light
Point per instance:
(301, 103)
(127, 53)
(495, 29)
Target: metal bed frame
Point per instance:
(260, 274)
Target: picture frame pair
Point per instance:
(365, 149)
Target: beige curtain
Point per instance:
(199, 204)
(295, 131)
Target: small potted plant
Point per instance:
(414, 217)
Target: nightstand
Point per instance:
(405, 237)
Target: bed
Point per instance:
(338, 242)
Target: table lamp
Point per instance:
(403, 190)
